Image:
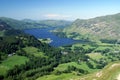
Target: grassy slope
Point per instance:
(1, 33)
(67, 76)
(82, 65)
(34, 51)
(108, 73)
(10, 62)
(95, 56)
(59, 77)
(99, 27)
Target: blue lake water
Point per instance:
(45, 33)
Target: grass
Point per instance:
(82, 65)
(1, 33)
(101, 48)
(10, 62)
(110, 72)
(105, 44)
(59, 77)
(34, 51)
(67, 76)
(48, 40)
(85, 46)
(95, 56)
(106, 73)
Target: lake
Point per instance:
(45, 33)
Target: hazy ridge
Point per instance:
(100, 27)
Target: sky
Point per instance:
(58, 9)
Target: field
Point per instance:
(34, 51)
(1, 33)
(81, 65)
(10, 62)
(69, 76)
(110, 72)
(102, 52)
(95, 56)
(48, 40)
(84, 46)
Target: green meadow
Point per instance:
(34, 51)
(10, 62)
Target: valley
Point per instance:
(56, 41)
(59, 39)
(59, 52)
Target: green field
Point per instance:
(95, 56)
(34, 51)
(1, 33)
(68, 76)
(10, 62)
(110, 72)
(81, 65)
(84, 46)
(48, 40)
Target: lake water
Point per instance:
(45, 33)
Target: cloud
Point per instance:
(52, 15)
(56, 16)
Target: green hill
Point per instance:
(4, 26)
(34, 57)
(110, 72)
(27, 23)
(37, 60)
(105, 27)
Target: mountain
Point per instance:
(105, 27)
(24, 57)
(56, 23)
(4, 26)
(19, 24)
(27, 23)
(49, 23)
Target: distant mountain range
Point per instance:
(27, 23)
(4, 26)
(104, 27)
(107, 27)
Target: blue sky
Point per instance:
(58, 9)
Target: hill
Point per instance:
(4, 26)
(104, 27)
(52, 23)
(27, 23)
(110, 72)
(34, 57)
(38, 60)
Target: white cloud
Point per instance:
(56, 16)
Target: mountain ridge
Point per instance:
(100, 27)
(28, 23)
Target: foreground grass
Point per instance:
(10, 62)
(67, 76)
(110, 72)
